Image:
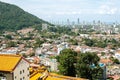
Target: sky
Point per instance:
(61, 10)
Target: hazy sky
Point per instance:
(88, 10)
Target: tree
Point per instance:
(89, 42)
(115, 60)
(67, 60)
(73, 41)
(38, 42)
(95, 42)
(88, 67)
(102, 53)
(24, 55)
(8, 37)
(12, 44)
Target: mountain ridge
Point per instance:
(13, 17)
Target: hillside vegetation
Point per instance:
(14, 18)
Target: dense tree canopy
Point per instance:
(67, 60)
(88, 67)
(85, 65)
(62, 29)
(95, 43)
(38, 42)
(102, 43)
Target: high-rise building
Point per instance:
(78, 21)
(68, 22)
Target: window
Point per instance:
(28, 75)
(20, 72)
(23, 71)
(20, 78)
(28, 68)
(2, 76)
(15, 77)
(23, 78)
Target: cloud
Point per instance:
(86, 9)
(8, 1)
(105, 9)
(68, 13)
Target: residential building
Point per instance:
(44, 26)
(13, 67)
(62, 46)
(52, 63)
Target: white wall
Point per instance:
(22, 71)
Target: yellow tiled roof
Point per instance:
(53, 78)
(36, 76)
(9, 62)
(60, 77)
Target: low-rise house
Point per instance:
(113, 70)
(52, 63)
(44, 26)
(13, 67)
(62, 46)
(11, 50)
(25, 31)
(106, 61)
(117, 54)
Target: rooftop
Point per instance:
(9, 62)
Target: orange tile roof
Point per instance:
(118, 51)
(9, 62)
(105, 61)
(115, 77)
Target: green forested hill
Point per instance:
(14, 18)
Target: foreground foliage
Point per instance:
(85, 65)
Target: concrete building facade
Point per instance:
(13, 67)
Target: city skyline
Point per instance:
(61, 10)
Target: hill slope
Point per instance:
(14, 18)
